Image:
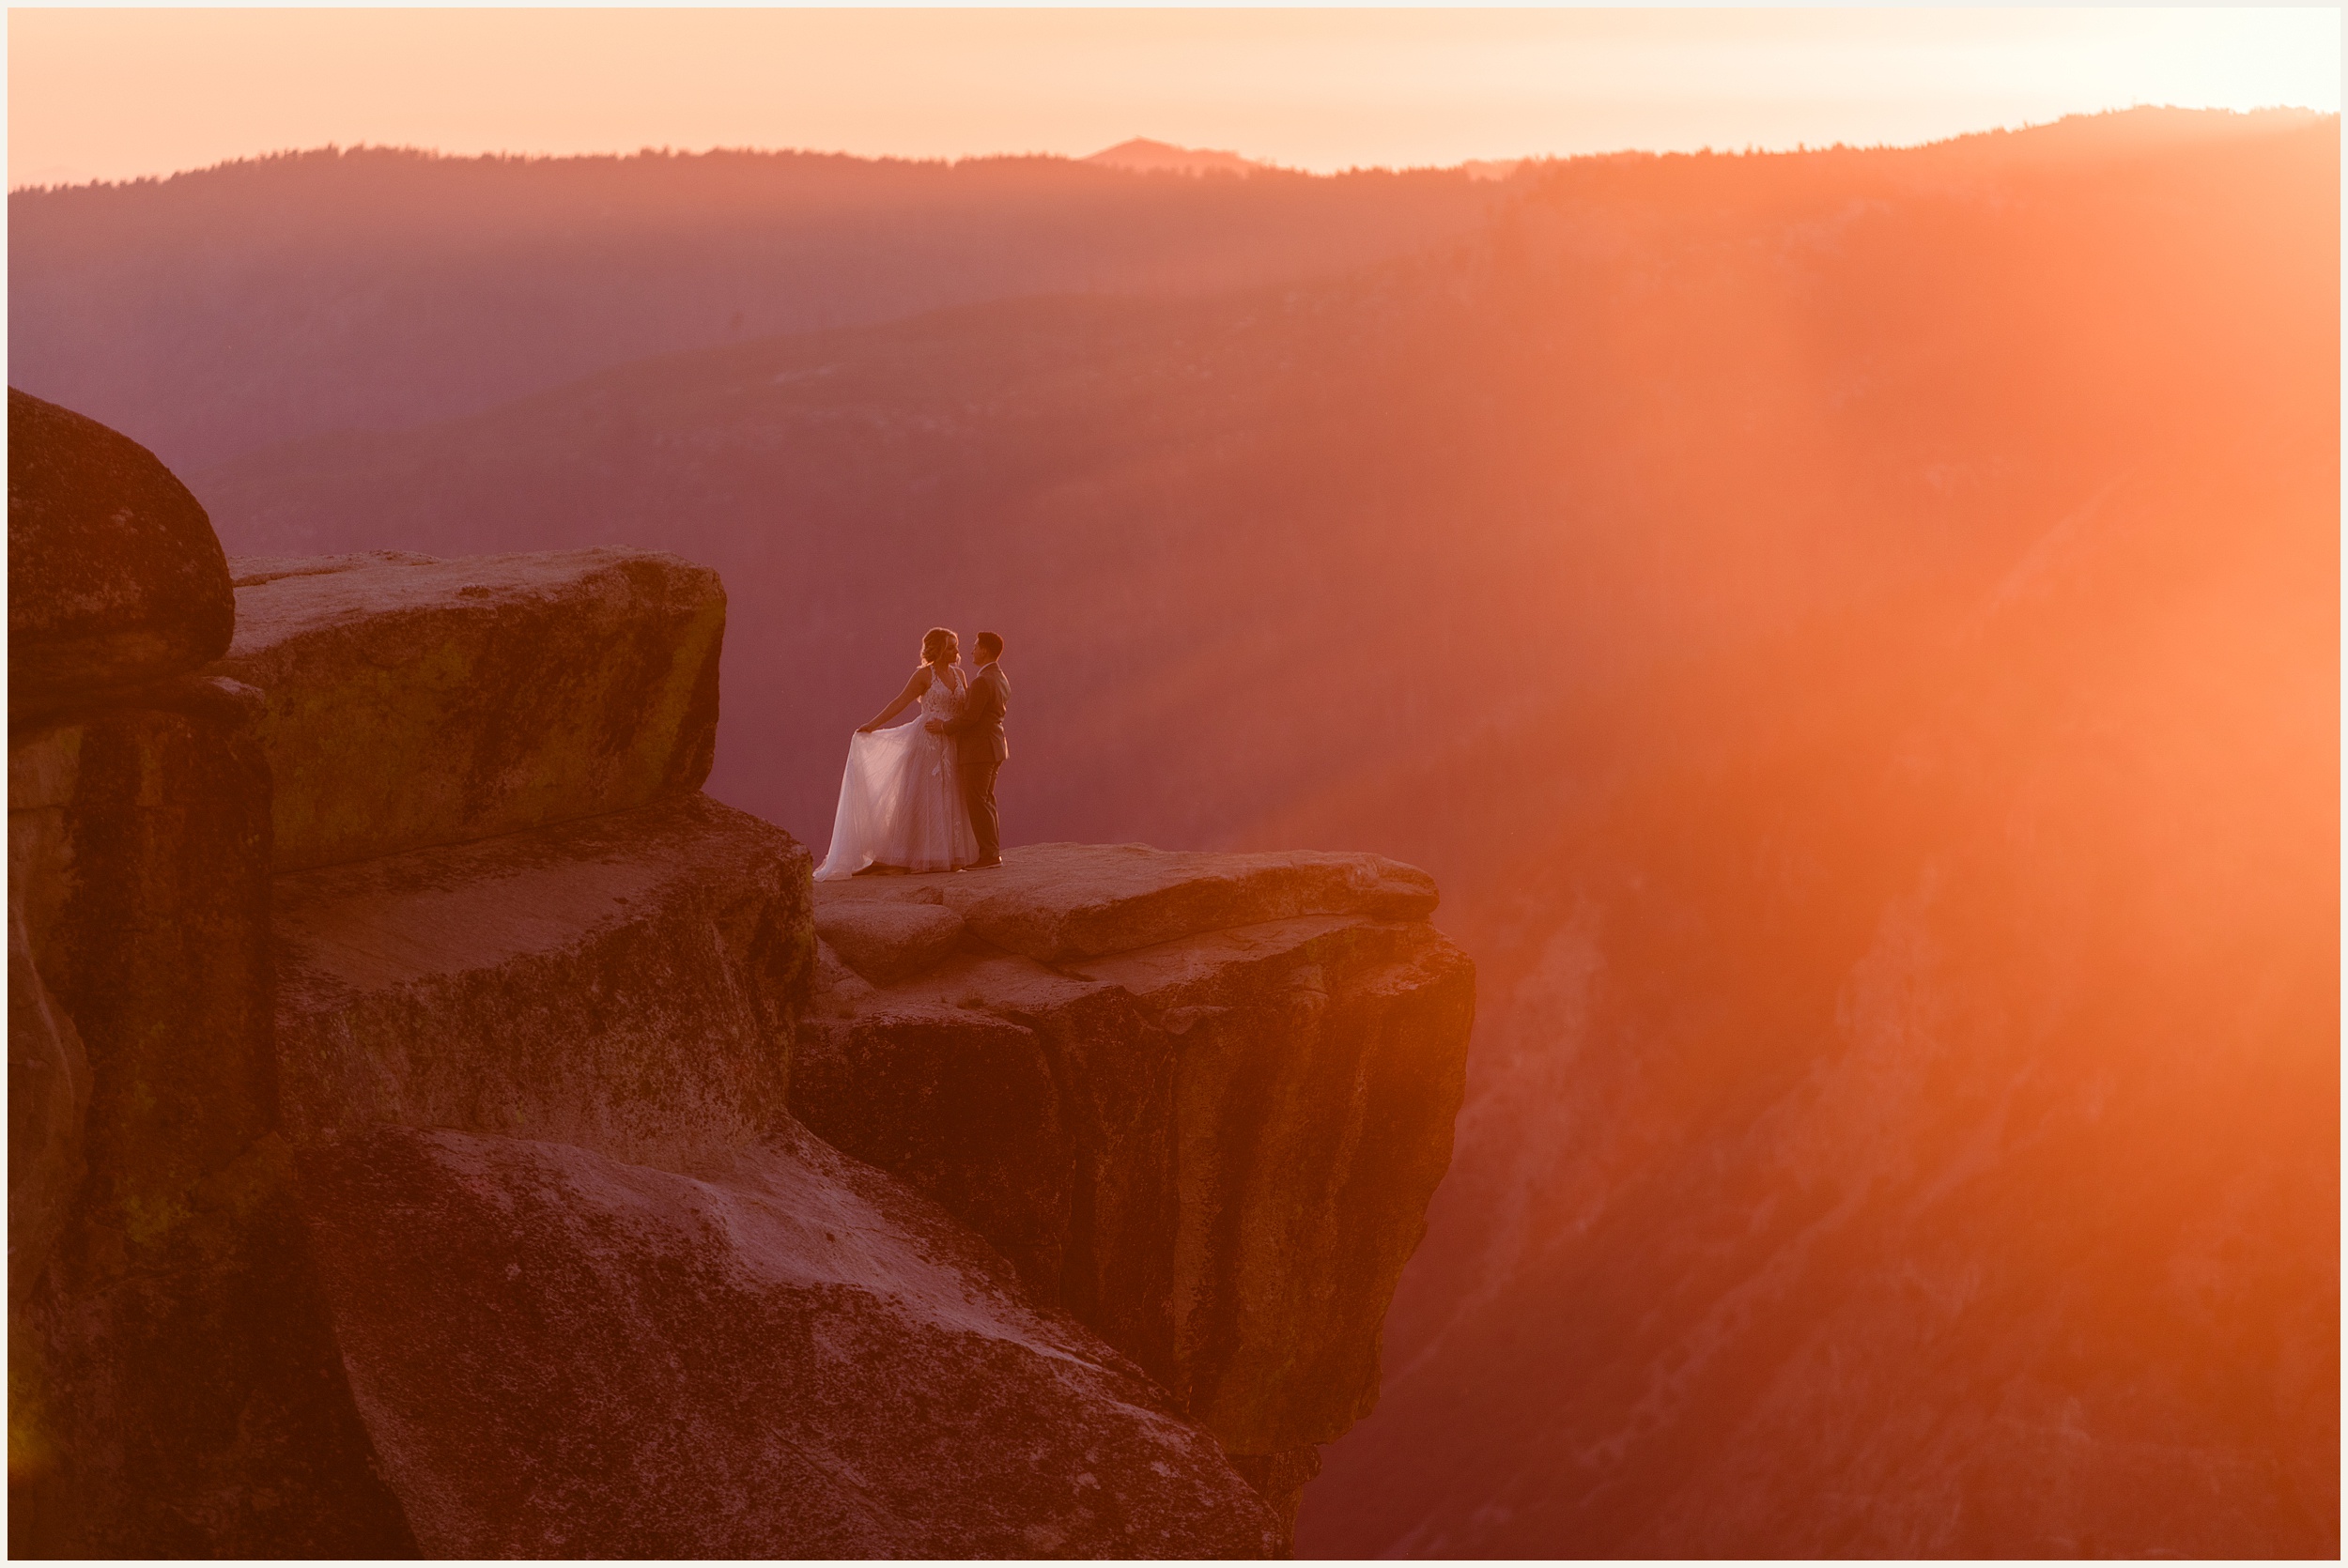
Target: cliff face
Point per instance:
(404, 1058)
(174, 1388)
(1200, 1100)
(512, 691)
(620, 983)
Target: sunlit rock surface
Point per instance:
(1217, 1095)
(627, 983)
(416, 702)
(562, 1355)
(1055, 903)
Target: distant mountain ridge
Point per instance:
(258, 302)
(1854, 634)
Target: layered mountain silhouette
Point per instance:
(1853, 633)
(228, 309)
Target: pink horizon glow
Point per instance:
(119, 94)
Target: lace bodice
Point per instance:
(940, 699)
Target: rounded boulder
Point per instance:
(115, 574)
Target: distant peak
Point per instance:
(1142, 153)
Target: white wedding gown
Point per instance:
(900, 798)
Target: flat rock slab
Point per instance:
(629, 983)
(559, 1354)
(1059, 903)
(414, 701)
(886, 941)
(115, 574)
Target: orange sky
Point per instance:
(117, 93)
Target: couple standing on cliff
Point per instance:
(921, 796)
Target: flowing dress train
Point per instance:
(900, 798)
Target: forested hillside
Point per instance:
(233, 307)
(1855, 635)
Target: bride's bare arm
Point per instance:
(915, 685)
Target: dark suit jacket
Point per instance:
(980, 726)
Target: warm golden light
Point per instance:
(112, 94)
(1845, 612)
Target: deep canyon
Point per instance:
(1852, 633)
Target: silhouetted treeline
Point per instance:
(258, 300)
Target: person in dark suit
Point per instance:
(978, 733)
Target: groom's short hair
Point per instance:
(993, 641)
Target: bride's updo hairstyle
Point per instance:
(935, 642)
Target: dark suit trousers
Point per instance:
(978, 792)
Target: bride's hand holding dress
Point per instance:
(901, 801)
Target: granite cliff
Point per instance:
(437, 1127)
(1211, 1104)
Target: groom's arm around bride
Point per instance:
(982, 748)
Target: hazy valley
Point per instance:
(1853, 634)
(236, 307)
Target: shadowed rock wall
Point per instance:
(1200, 1100)
(118, 578)
(174, 1386)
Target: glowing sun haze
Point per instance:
(113, 94)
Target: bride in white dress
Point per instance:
(900, 805)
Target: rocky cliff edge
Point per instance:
(438, 1127)
(1200, 1101)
